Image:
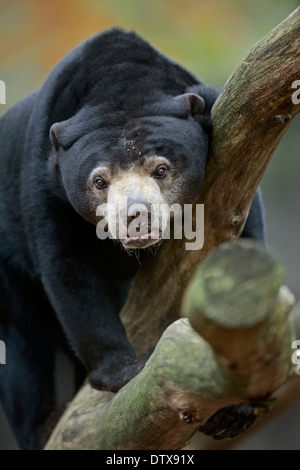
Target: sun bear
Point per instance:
(114, 119)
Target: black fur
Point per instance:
(55, 275)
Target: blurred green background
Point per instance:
(209, 37)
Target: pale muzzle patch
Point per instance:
(136, 212)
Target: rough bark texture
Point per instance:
(188, 378)
(249, 355)
(287, 397)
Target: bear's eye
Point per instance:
(160, 172)
(100, 183)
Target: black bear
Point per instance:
(115, 118)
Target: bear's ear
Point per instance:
(190, 104)
(55, 135)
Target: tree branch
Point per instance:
(186, 377)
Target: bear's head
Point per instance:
(124, 171)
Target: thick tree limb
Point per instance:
(187, 379)
(287, 397)
(185, 376)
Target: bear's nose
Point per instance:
(142, 211)
(147, 215)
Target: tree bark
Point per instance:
(185, 376)
(287, 397)
(240, 309)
